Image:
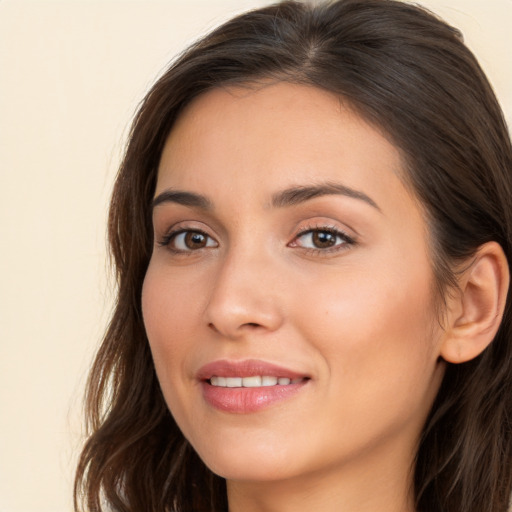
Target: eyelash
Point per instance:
(171, 236)
(346, 240)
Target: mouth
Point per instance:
(243, 387)
(255, 381)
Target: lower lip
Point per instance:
(247, 400)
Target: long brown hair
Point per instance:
(406, 72)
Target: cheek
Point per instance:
(381, 364)
(376, 333)
(170, 314)
(361, 301)
(170, 309)
(171, 303)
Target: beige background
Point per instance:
(71, 74)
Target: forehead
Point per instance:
(260, 140)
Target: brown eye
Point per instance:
(195, 240)
(186, 241)
(323, 239)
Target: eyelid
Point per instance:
(347, 240)
(180, 228)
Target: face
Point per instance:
(288, 301)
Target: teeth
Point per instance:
(221, 381)
(269, 381)
(234, 382)
(252, 382)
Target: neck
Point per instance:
(377, 484)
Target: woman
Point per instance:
(311, 230)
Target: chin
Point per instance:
(254, 463)
(250, 472)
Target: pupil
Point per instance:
(324, 239)
(195, 240)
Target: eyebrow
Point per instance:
(296, 195)
(184, 198)
(288, 197)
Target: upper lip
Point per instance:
(246, 368)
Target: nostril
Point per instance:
(212, 326)
(239, 331)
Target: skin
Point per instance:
(357, 318)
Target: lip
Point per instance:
(247, 400)
(246, 368)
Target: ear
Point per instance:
(476, 311)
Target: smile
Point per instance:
(255, 381)
(249, 386)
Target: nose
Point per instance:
(244, 297)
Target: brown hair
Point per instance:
(405, 71)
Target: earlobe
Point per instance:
(476, 315)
